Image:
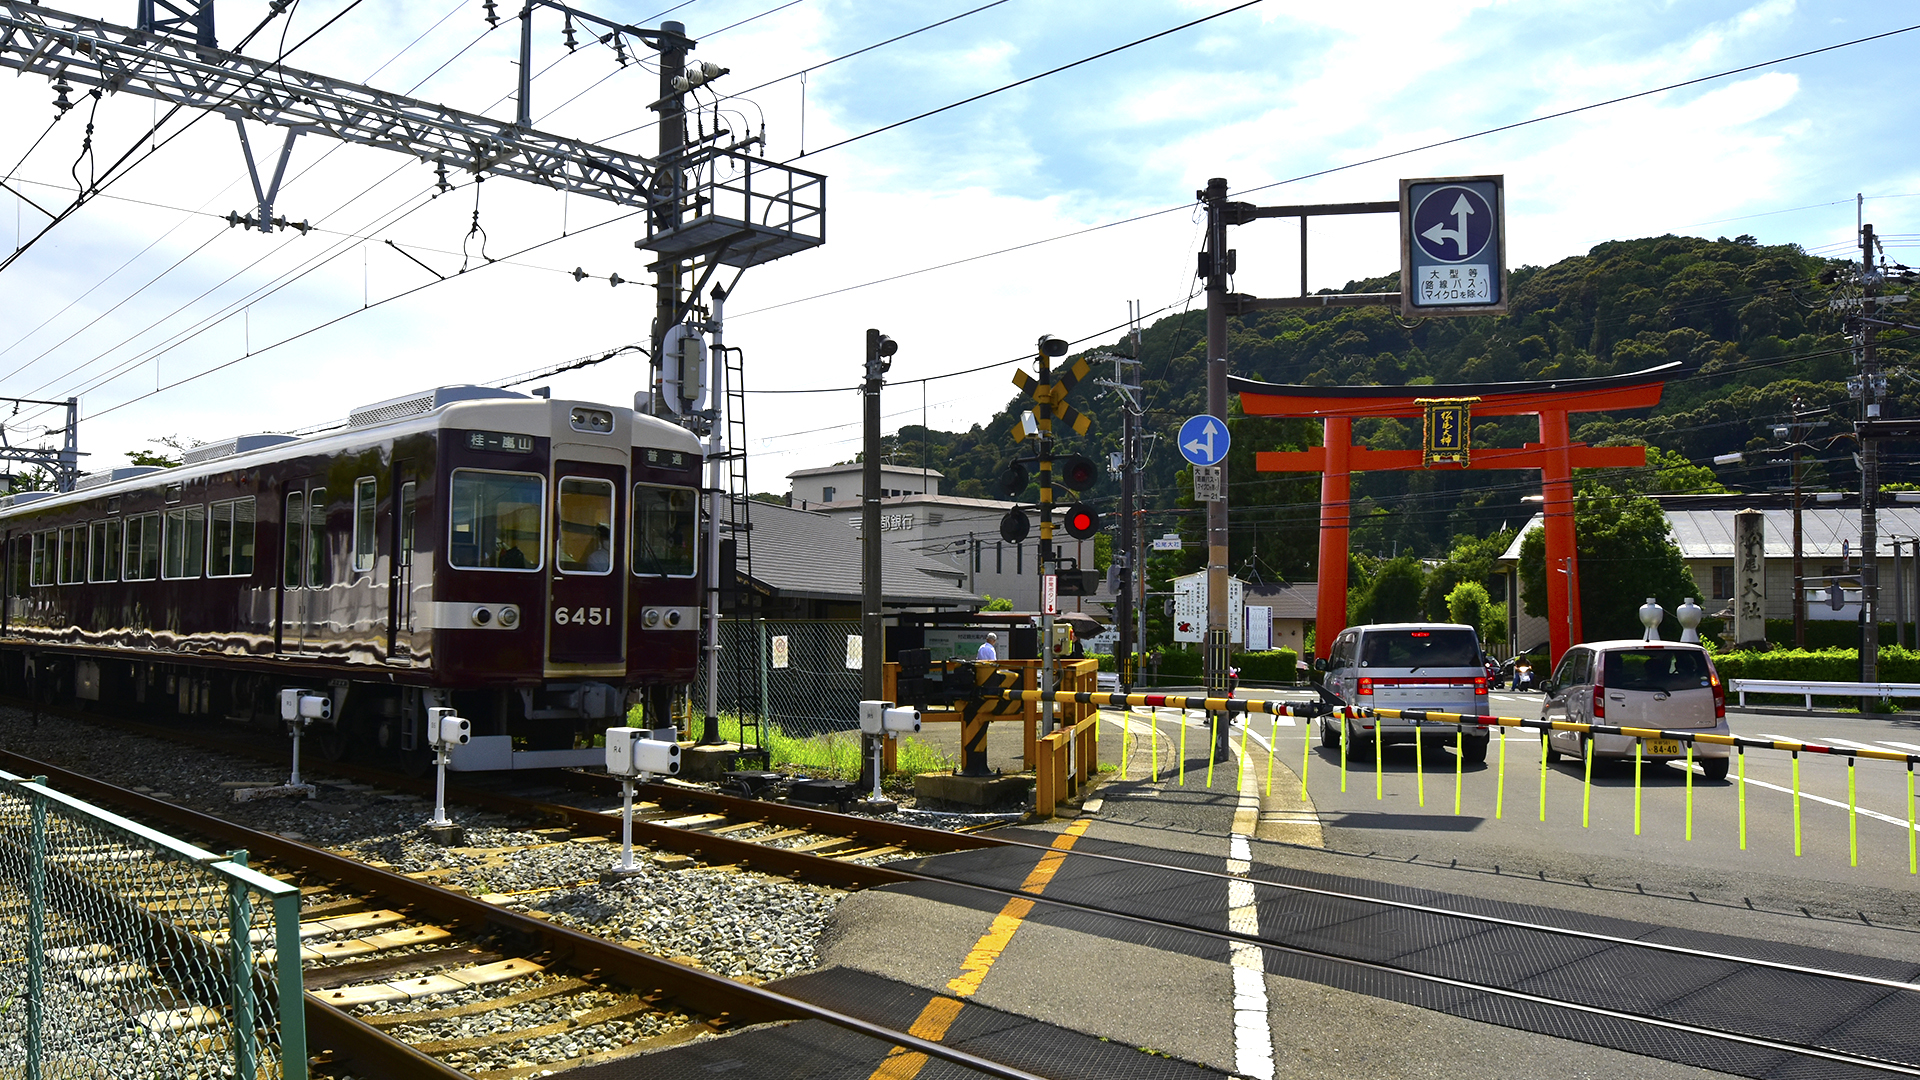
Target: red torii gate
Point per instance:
(1555, 455)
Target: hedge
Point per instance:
(1817, 665)
(1823, 633)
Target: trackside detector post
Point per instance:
(445, 730)
(298, 708)
(632, 754)
(884, 721)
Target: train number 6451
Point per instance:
(583, 616)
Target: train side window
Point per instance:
(104, 563)
(366, 501)
(183, 542)
(142, 548)
(294, 532)
(496, 521)
(230, 540)
(665, 525)
(585, 543)
(73, 554)
(46, 552)
(317, 568)
(17, 563)
(406, 523)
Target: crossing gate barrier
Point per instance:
(1461, 722)
(129, 953)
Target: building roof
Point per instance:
(957, 502)
(1708, 534)
(855, 466)
(1288, 600)
(805, 555)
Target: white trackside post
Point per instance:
(446, 731)
(632, 756)
(626, 821)
(296, 727)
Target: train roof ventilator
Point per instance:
(634, 754)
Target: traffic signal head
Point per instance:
(1012, 480)
(1076, 473)
(1082, 521)
(1052, 346)
(879, 348)
(1013, 527)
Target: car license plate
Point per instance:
(1663, 746)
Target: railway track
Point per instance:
(391, 960)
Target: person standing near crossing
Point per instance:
(987, 649)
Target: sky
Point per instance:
(1044, 209)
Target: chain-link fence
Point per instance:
(128, 953)
(794, 675)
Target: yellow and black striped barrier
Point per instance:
(1245, 707)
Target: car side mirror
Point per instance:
(1319, 663)
(1548, 688)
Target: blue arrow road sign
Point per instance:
(1453, 223)
(1204, 440)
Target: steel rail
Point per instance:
(701, 992)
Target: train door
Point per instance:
(587, 608)
(400, 583)
(303, 568)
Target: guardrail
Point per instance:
(1461, 722)
(1811, 690)
(139, 950)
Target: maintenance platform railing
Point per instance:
(130, 953)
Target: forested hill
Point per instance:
(1751, 325)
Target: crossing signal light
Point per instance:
(1012, 480)
(1013, 527)
(1077, 473)
(1082, 521)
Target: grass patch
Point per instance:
(835, 754)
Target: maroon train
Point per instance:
(530, 562)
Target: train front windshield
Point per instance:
(665, 525)
(496, 520)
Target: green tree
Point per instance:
(1392, 594)
(1470, 603)
(1473, 558)
(1001, 603)
(1625, 556)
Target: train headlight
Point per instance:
(482, 616)
(509, 616)
(673, 618)
(651, 618)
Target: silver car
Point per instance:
(1668, 685)
(1436, 667)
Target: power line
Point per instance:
(1022, 82)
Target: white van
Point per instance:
(1669, 685)
(1438, 667)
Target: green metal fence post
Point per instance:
(36, 926)
(246, 1038)
(291, 986)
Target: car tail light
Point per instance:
(1480, 687)
(1719, 693)
(1365, 688)
(1599, 702)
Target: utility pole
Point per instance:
(1869, 472)
(1216, 262)
(872, 642)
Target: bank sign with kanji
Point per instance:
(1453, 246)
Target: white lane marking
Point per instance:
(1802, 742)
(1252, 1033)
(1902, 746)
(1876, 815)
(1850, 744)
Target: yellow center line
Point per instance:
(940, 1013)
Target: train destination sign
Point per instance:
(1453, 257)
(505, 441)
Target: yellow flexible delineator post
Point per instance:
(1689, 791)
(1153, 745)
(1126, 738)
(1913, 835)
(1343, 751)
(1273, 751)
(1459, 765)
(1246, 728)
(1853, 833)
(1586, 786)
(1796, 804)
(1183, 748)
(1637, 744)
(1306, 756)
(1740, 753)
(1213, 740)
(1419, 765)
(1500, 784)
(1543, 776)
(1379, 770)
